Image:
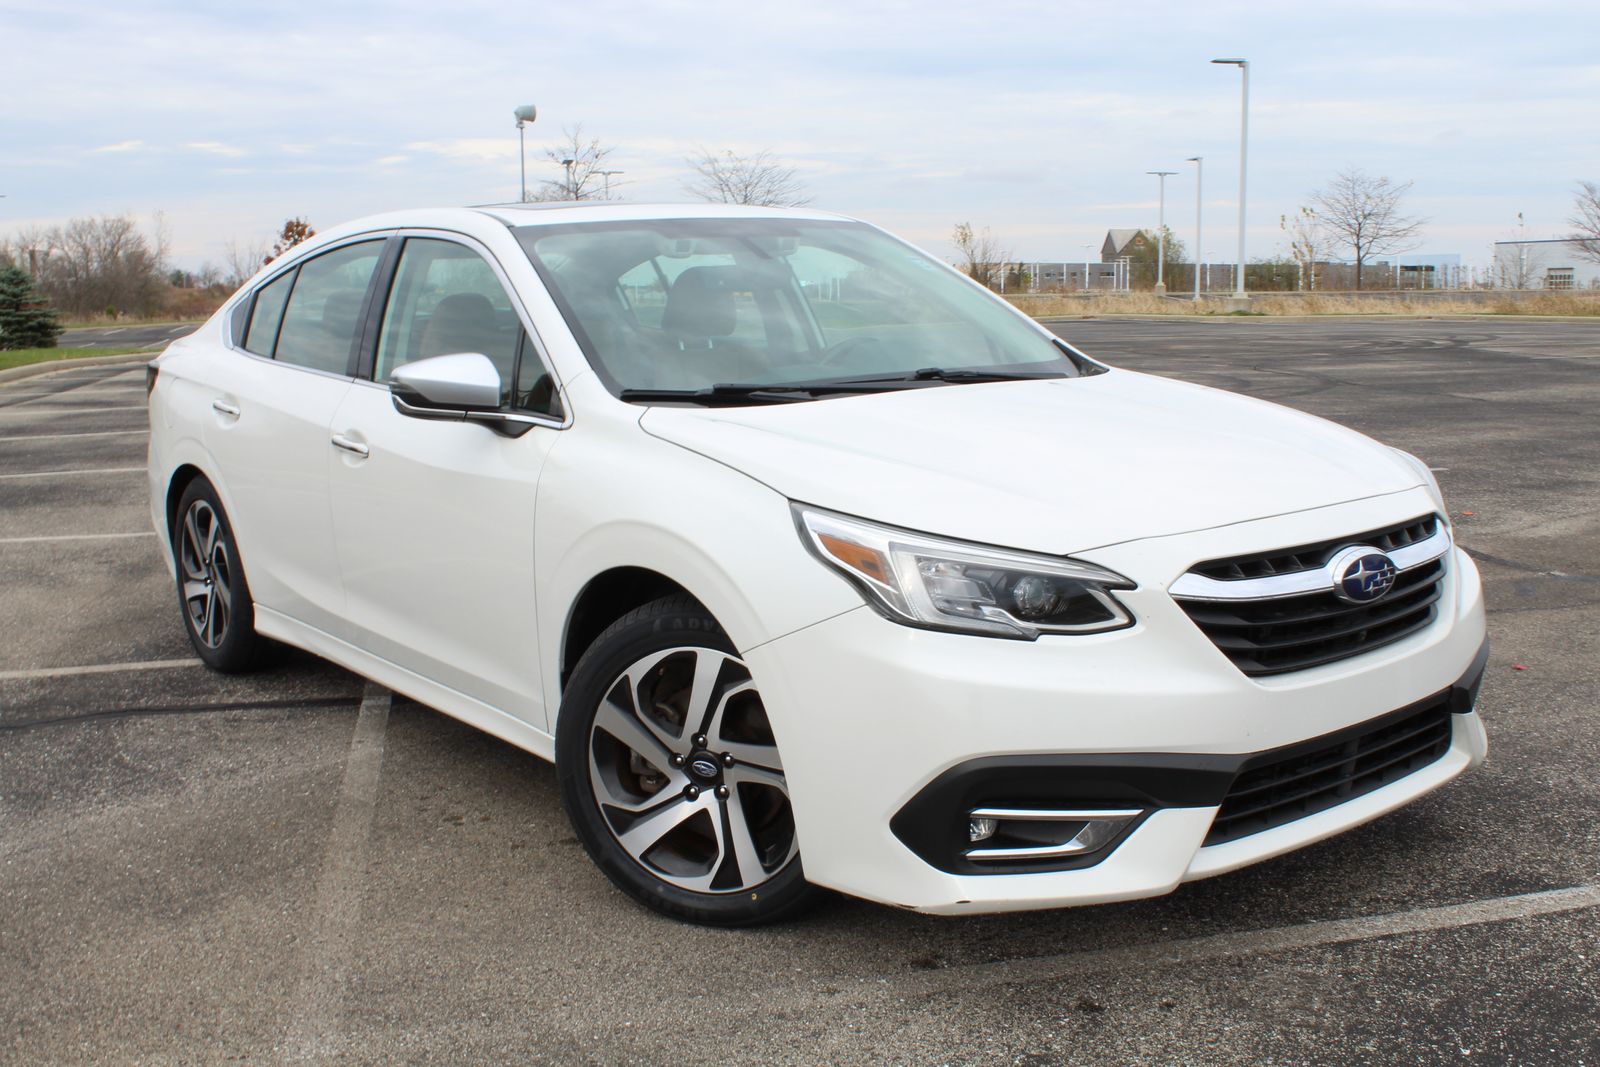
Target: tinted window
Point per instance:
(266, 314)
(322, 323)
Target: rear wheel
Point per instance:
(212, 591)
(671, 775)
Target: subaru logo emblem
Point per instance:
(1362, 574)
(703, 768)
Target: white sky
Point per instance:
(1038, 120)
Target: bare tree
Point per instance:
(1308, 238)
(1363, 214)
(583, 166)
(981, 255)
(241, 260)
(104, 265)
(760, 179)
(1585, 219)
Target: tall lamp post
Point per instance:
(572, 194)
(1244, 144)
(605, 176)
(524, 114)
(1199, 173)
(1161, 230)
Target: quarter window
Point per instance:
(322, 323)
(266, 314)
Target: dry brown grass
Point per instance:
(1415, 305)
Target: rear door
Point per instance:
(271, 404)
(434, 519)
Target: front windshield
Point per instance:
(690, 304)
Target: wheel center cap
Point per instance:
(704, 766)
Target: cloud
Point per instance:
(216, 148)
(120, 146)
(479, 148)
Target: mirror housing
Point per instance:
(460, 387)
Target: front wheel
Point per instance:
(670, 772)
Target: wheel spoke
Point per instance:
(221, 587)
(634, 731)
(210, 541)
(745, 856)
(206, 621)
(707, 668)
(648, 831)
(744, 774)
(195, 589)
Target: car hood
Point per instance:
(1057, 465)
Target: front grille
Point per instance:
(1279, 787)
(1310, 557)
(1274, 635)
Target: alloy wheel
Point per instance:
(207, 574)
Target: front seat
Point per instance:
(701, 316)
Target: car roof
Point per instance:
(536, 214)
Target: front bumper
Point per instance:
(869, 714)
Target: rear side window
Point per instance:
(267, 313)
(322, 322)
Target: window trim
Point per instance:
(388, 271)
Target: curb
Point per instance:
(49, 366)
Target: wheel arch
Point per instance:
(605, 598)
(177, 484)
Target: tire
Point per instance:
(670, 774)
(213, 595)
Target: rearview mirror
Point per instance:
(465, 381)
(462, 387)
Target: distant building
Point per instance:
(1551, 264)
(1125, 243)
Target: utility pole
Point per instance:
(524, 115)
(605, 176)
(1244, 155)
(572, 194)
(1161, 230)
(1199, 174)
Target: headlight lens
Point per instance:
(1425, 474)
(951, 585)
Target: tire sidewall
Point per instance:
(637, 635)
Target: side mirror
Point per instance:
(465, 381)
(461, 387)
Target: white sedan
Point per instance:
(808, 561)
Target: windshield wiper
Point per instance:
(938, 374)
(721, 394)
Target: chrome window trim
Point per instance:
(1192, 586)
(517, 306)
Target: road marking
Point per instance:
(325, 957)
(88, 470)
(19, 410)
(73, 537)
(1142, 957)
(97, 668)
(59, 436)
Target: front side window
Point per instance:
(691, 304)
(446, 299)
(322, 322)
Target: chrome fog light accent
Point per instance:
(1047, 833)
(980, 828)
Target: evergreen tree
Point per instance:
(26, 321)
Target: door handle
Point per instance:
(222, 407)
(350, 445)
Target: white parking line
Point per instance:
(325, 955)
(73, 537)
(20, 410)
(1143, 957)
(58, 436)
(60, 474)
(97, 668)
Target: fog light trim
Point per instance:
(1099, 827)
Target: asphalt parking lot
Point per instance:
(293, 866)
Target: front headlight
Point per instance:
(950, 585)
(1425, 474)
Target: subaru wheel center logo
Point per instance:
(703, 768)
(1362, 574)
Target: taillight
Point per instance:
(150, 373)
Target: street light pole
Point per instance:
(1244, 145)
(524, 115)
(1161, 230)
(572, 194)
(605, 176)
(1199, 174)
